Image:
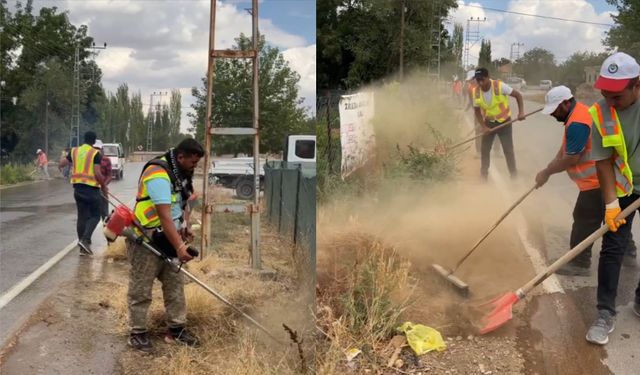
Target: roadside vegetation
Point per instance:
(365, 284)
(229, 344)
(13, 173)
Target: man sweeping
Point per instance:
(574, 157)
(164, 188)
(616, 151)
(491, 106)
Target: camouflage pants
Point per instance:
(145, 268)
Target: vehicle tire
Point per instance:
(244, 189)
(211, 179)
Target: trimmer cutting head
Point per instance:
(461, 286)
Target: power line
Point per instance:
(539, 16)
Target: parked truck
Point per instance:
(237, 173)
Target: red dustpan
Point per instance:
(499, 310)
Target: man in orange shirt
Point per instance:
(43, 164)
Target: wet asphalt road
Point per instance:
(557, 323)
(37, 221)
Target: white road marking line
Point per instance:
(18, 288)
(24, 283)
(551, 284)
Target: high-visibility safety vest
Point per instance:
(82, 159)
(584, 173)
(145, 210)
(608, 125)
(498, 110)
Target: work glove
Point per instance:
(611, 212)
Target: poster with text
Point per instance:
(356, 131)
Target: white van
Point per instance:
(115, 153)
(545, 84)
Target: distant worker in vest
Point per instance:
(574, 157)
(471, 84)
(87, 181)
(458, 97)
(164, 190)
(43, 164)
(616, 151)
(491, 98)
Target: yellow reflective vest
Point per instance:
(496, 111)
(145, 210)
(608, 124)
(82, 159)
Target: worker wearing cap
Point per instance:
(43, 163)
(615, 150)
(574, 157)
(106, 170)
(87, 180)
(491, 107)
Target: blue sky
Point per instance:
(294, 16)
(560, 37)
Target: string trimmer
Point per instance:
(119, 224)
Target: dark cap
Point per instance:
(481, 73)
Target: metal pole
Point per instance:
(206, 199)
(402, 40)
(255, 209)
(46, 125)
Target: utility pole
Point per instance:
(152, 118)
(435, 40)
(402, 40)
(46, 124)
(74, 136)
(472, 37)
(514, 55)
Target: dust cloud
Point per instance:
(428, 221)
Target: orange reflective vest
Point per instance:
(584, 173)
(608, 124)
(82, 159)
(498, 109)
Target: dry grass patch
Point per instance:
(363, 289)
(229, 343)
(116, 251)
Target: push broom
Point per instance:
(500, 309)
(491, 131)
(460, 285)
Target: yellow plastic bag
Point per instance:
(422, 339)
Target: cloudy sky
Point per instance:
(562, 38)
(159, 45)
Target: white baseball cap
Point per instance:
(471, 75)
(98, 144)
(554, 97)
(616, 71)
(38, 151)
